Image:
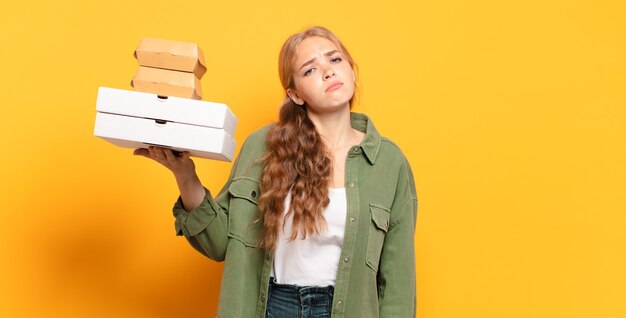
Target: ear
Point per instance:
(294, 97)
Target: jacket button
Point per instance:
(351, 184)
(345, 259)
(339, 304)
(253, 194)
(262, 297)
(352, 220)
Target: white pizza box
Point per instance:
(135, 132)
(136, 120)
(170, 108)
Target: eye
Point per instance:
(336, 59)
(308, 71)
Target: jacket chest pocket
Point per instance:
(243, 210)
(377, 230)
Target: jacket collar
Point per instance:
(371, 141)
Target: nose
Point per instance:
(329, 73)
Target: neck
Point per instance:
(334, 127)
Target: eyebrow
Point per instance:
(329, 53)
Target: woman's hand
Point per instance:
(182, 166)
(191, 190)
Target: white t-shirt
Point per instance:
(314, 260)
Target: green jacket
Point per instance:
(376, 274)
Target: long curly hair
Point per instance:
(297, 160)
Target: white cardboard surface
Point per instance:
(136, 120)
(174, 109)
(134, 132)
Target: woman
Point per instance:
(317, 217)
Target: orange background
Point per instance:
(512, 115)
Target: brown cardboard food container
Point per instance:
(171, 55)
(167, 83)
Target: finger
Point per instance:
(186, 154)
(159, 154)
(177, 154)
(153, 153)
(169, 155)
(141, 152)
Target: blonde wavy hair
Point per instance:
(297, 159)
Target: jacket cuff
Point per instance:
(193, 222)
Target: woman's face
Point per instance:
(323, 77)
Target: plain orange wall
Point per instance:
(512, 115)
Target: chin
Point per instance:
(328, 108)
(332, 105)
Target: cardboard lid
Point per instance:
(167, 83)
(171, 55)
(173, 109)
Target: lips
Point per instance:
(334, 86)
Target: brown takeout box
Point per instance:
(171, 55)
(167, 83)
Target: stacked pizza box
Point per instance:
(165, 109)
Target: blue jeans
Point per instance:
(291, 301)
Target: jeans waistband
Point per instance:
(302, 289)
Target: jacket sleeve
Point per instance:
(396, 275)
(206, 226)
